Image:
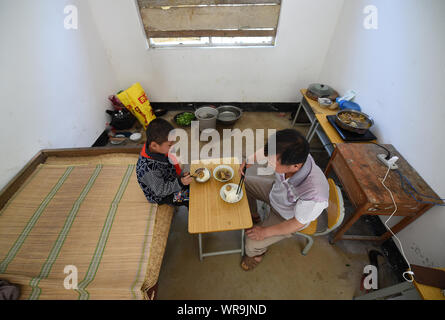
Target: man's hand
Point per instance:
(256, 233)
(241, 168)
(186, 179)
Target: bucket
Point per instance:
(207, 117)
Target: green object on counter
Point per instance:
(185, 119)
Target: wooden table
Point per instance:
(209, 213)
(360, 172)
(312, 110)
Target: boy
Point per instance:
(297, 196)
(158, 172)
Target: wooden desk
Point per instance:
(360, 172)
(209, 213)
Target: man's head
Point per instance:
(292, 150)
(157, 136)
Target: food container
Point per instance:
(207, 116)
(234, 187)
(324, 102)
(228, 168)
(360, 127)
(229, 114)
(207, 173)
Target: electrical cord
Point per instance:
(409, 272)
(388, 153)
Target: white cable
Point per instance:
(410, 272)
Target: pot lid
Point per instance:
(321, 89)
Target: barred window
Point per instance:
(210, 23)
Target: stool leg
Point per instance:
(309, 243)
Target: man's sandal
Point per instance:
(249, 263)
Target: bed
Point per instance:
(74, 224)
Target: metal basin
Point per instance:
(229, 114)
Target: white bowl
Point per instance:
(234, 187)
(223, 166)
(205, 180)
(324, 102)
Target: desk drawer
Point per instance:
(350, 185)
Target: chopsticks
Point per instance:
(240, 185)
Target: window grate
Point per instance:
(210, 23)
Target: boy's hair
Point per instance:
(157, 131)
(291, 147)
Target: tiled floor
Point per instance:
(327, 272)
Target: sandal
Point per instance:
(249, 263)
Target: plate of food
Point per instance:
(223, 173)
(228, 193)
(203, 175)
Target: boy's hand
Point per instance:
(186, 179)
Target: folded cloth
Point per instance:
(8, 291)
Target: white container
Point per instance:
(234, 188)
(223, 166)
(324, 102)
(207, 117)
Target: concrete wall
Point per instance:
(399, 72)
(54, 82)
(209, 74)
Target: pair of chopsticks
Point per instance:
(240, 185)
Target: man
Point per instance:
(297, 196)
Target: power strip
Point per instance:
(388, 163)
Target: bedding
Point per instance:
(81, 228)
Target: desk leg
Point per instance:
(329, 166)
(357, 214)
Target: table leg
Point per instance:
(200, 246)
(242, 243)
(356, 215)
(311, 128)
(313, 131)
(298, 112)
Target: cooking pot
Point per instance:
(318, 90)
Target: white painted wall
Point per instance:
(399, 72)
(54, 83)
(213, 75)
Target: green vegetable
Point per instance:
(185, 119)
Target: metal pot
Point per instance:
(229, 114)
(358, 129)
(207, 117)
(318, 90)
